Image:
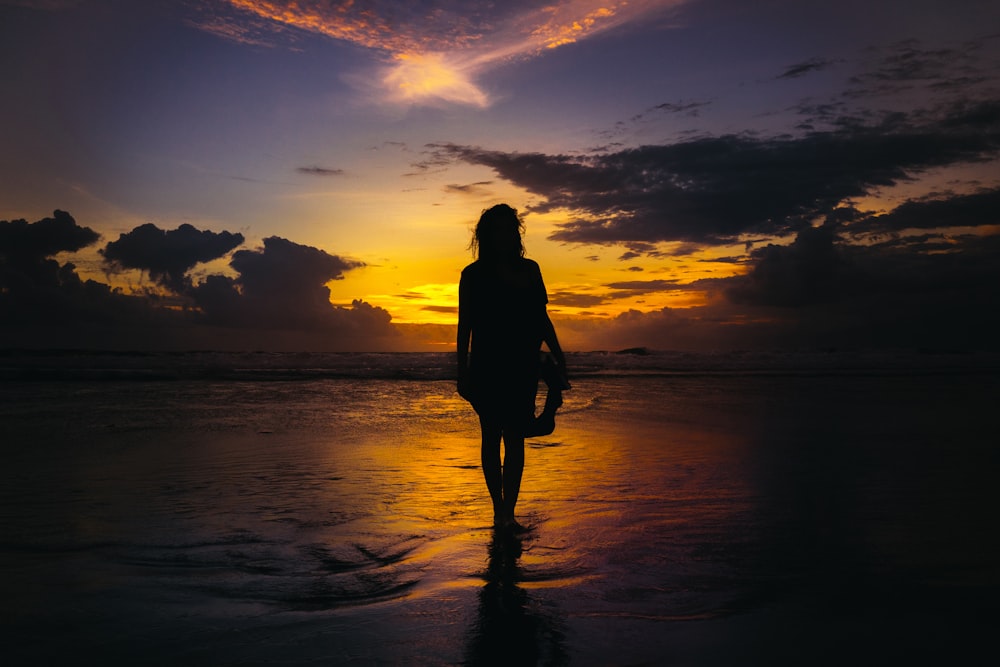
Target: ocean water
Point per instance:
(208, 508)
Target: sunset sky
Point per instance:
(693, 174)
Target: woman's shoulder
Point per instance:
(524, 271)
(473, 269)
(529, 266)
(523, 267)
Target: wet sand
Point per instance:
(749, 520)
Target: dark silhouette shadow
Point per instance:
(502, 324)
(507, 630)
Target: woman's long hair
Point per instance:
(498, 235)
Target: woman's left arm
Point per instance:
(549, 331)
(463, 339)
(552, 341)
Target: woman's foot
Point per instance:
(545, 423)
(509, 525)
(515, 528)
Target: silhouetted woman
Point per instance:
(502, 313)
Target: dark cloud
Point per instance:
(938, 291)
(909, 61)
(682, 108)
(478, 188)
(635, 287)
(617, 290)
(909, 66)
(821, 267)
(277, 300)
(973, 210)
(30, 280)
(715, 189)
(45, 5)
(690, 109)
(285, 265)
(822, 293)
(664, 329)
(813, 269)
(281, 286)
(638, 249)
(723, 260)
(36, 289)
(167, 255)
(21, 241)
(805, 67)
(570, 299)
(320, 171)
(901, 293)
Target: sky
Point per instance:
(705, 175)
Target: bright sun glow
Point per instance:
(419, 77)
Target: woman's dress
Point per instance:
(505, 306)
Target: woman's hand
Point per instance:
(563, 376)
(465, 385)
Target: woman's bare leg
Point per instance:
(490, 458)
(513, 468)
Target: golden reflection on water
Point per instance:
(608, 492)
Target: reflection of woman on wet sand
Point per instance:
(509, 629)
(502, 313)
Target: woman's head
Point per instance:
(498, 234)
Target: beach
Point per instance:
(705, 514)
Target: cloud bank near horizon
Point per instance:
(276, 298)
(937, 290)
